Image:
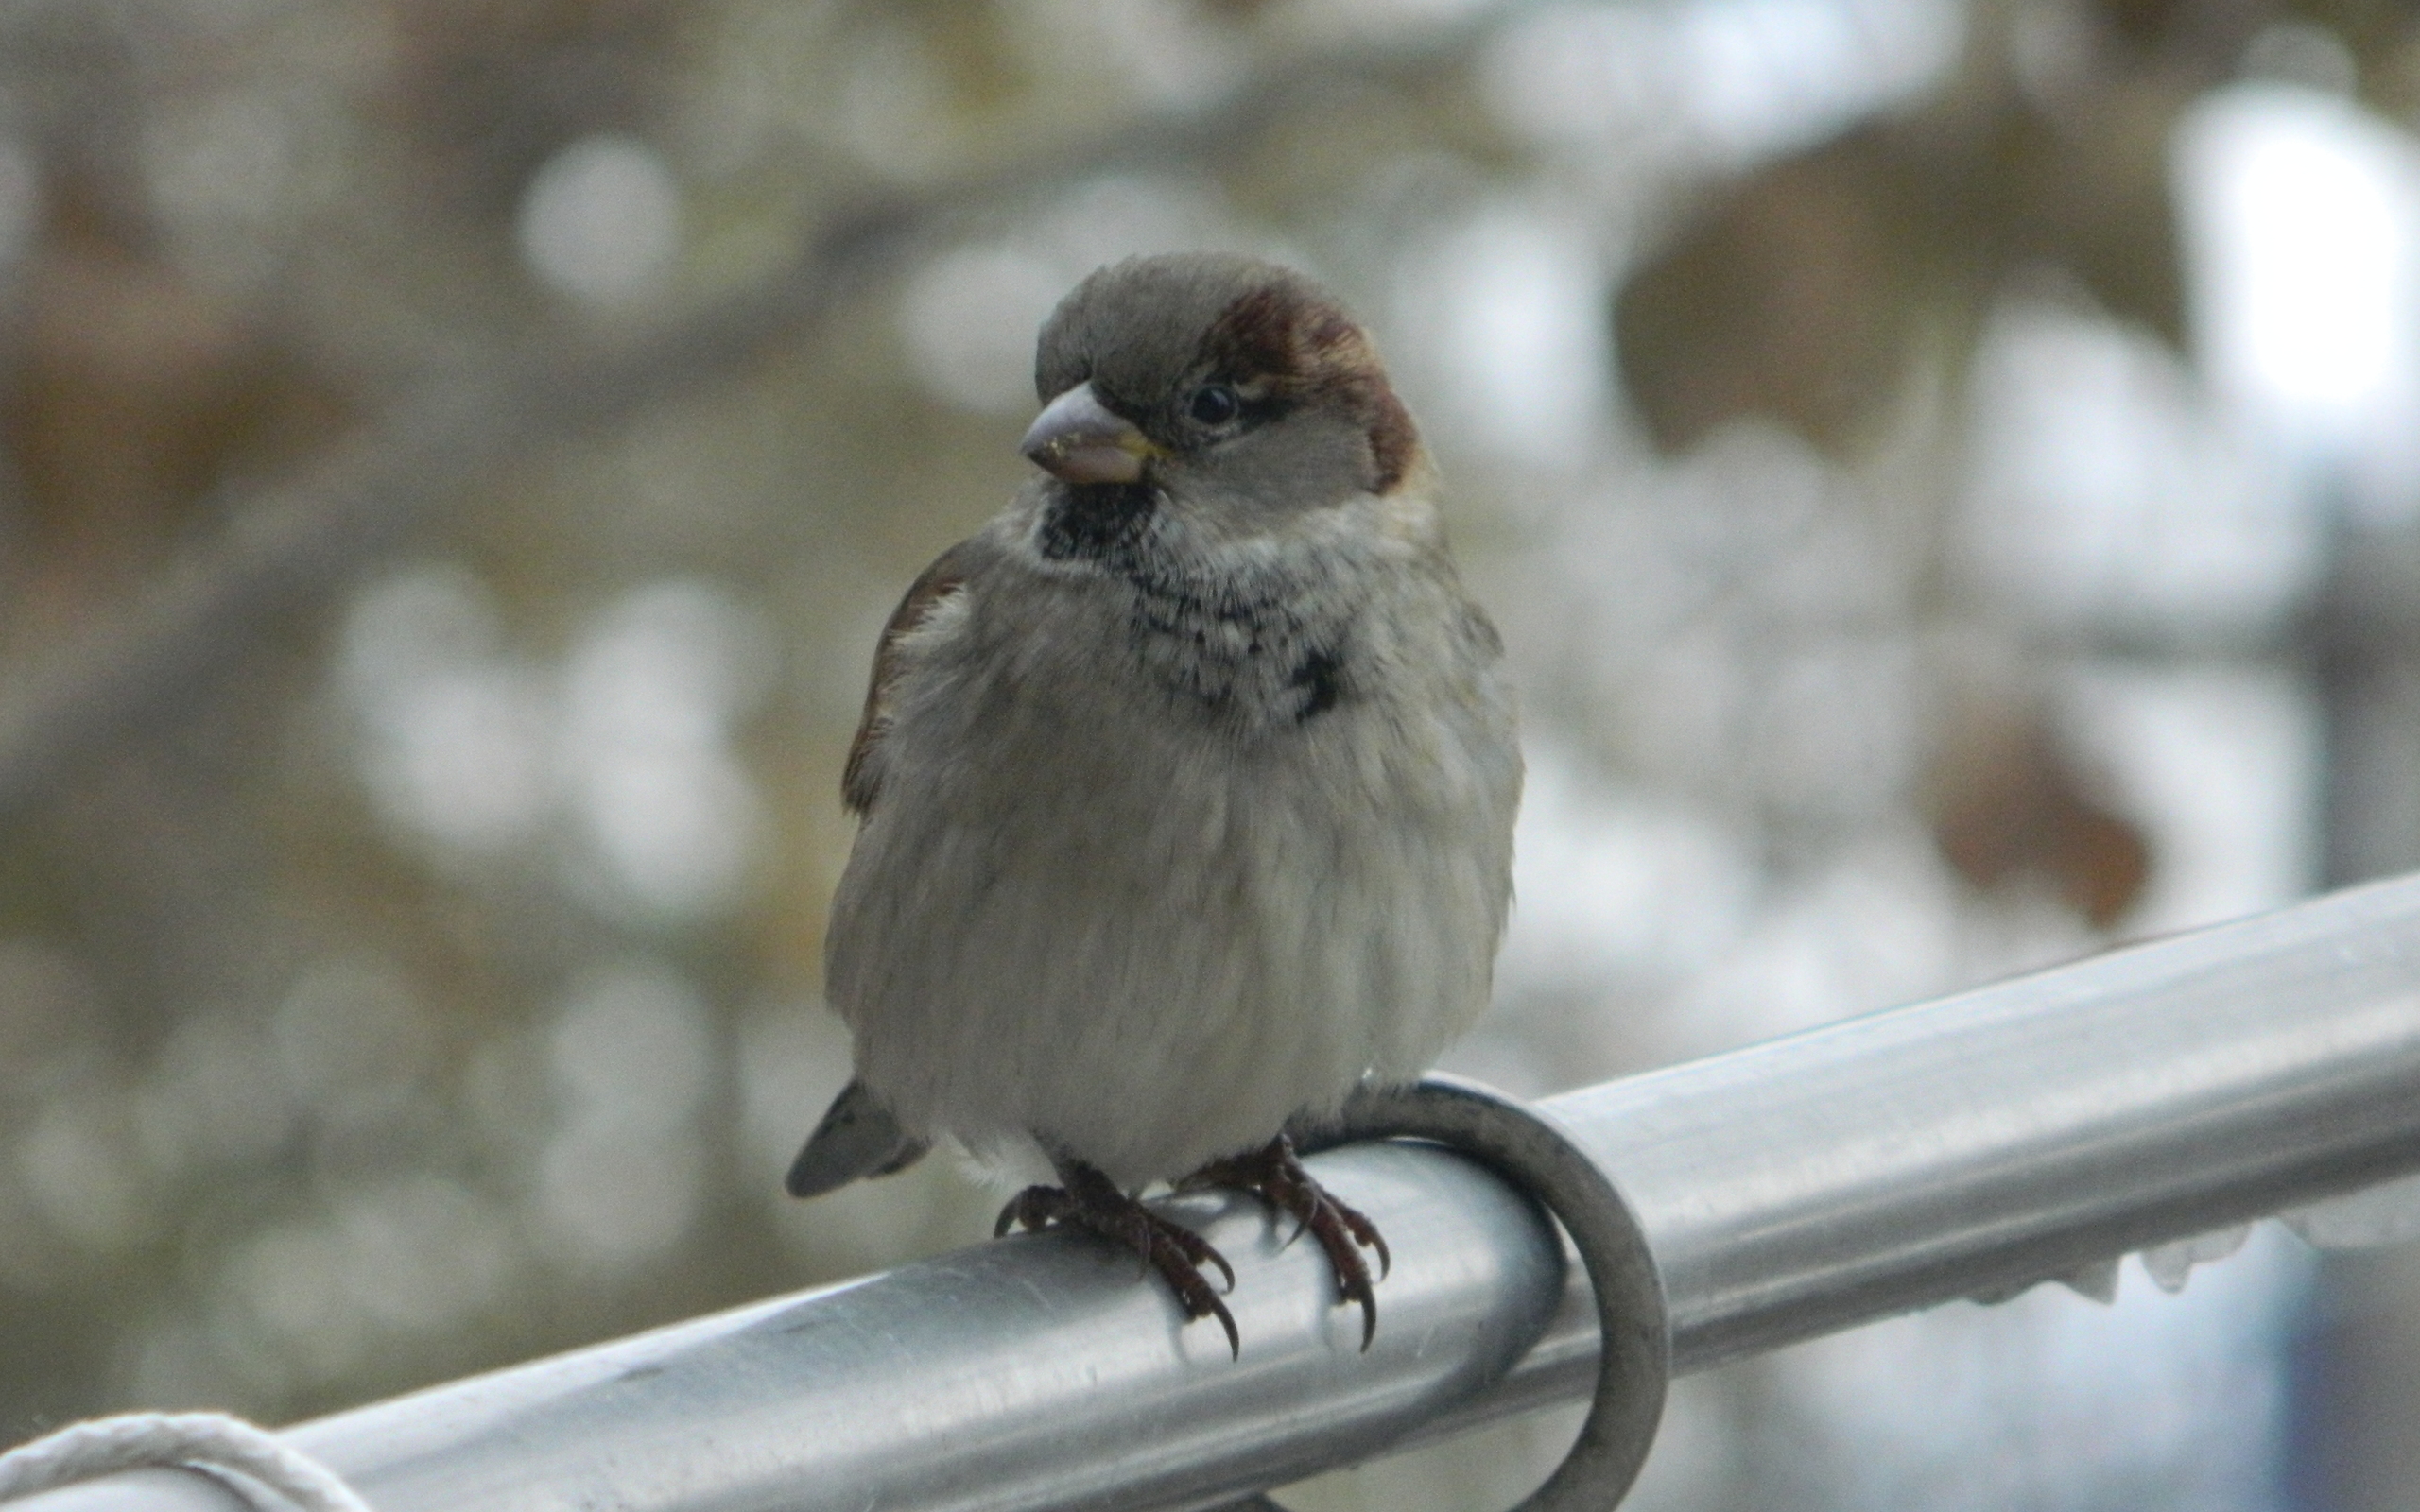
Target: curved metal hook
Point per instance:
(1527, 1147)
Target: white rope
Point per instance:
(192, 1440)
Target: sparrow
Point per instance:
(1184, 788)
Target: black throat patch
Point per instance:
(1096, 522)
(1257, 646)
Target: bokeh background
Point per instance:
(1947, 471)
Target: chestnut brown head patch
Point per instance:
(1286, 335)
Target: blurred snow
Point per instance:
(1872, 926)
(1715, 625)
(474, 752)
(1740, 79)
(1333, 19)
(221, 1095)
(2300, 219)
(2384, 1214)
(1507, 313)
(891, 102)
(2049, 1401)
(1172, 57)
(652, 694)
(462, 761)
(1610, 885)
(220, 175)
(454, 735)
(1576, 73)
(2107, 493)
(2302, 53)
(306, 1301)
(2171, 1264)
(969, 316)
(601, 219)
(1759, 76)
(214, 1098)
(82, 1167)
(353, 1038)
(620, 1177)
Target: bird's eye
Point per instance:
(1213, 404)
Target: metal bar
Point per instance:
(1976, 1144)
(1962, 1146)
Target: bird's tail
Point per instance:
(858, 1138)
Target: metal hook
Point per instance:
(1527, 1147)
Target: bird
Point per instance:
(1185, 787)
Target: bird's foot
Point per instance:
(1274, 1174)
(1089, 1200)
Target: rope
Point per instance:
(207, 1441)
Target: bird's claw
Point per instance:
(1275, 1174)
(1090, 1201)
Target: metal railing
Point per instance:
(1959, 1148)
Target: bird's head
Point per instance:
(1229, 385)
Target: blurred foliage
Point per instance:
(1798, 291)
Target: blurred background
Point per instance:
(1946, 471)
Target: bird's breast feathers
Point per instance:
(1219, 826)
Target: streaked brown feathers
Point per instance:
(860, 780)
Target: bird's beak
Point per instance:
(1078, 440)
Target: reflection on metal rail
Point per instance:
(1958, 1147)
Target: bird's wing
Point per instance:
(856, 1138)
(859, 1137)
(861, 778)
